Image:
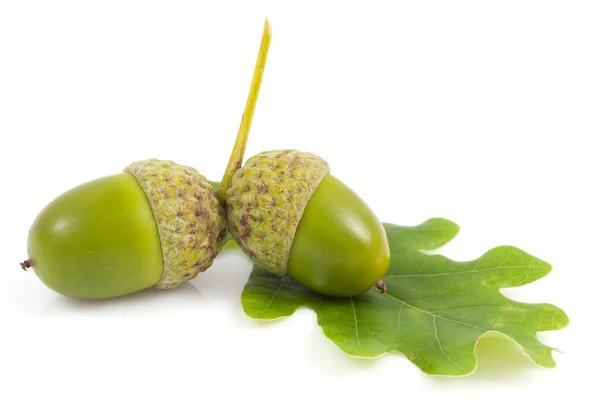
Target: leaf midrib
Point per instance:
(434, 315)
(504, 305)
(483, 330)
(471, 271)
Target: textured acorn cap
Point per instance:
(266, 200)
(191, 222)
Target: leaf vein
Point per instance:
(355, 323)
(441, 348)
(271, 299)
(399, 311)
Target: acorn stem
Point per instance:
(25, 265)
(381, 286)
(237, 154)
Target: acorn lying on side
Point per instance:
(157, 224)
(290, 215)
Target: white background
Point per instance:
(480, 112)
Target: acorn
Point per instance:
(156, 224)
(291, 216)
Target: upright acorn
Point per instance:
(291, 216)
(156, 224)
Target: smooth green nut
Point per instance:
(157, 224)
(291, 216)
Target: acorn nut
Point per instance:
(291, 216)
(156, 224)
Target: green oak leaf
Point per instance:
(435, 309)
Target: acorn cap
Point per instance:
(191, 222)
(266, 200)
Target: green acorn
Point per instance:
(156, 224)
(291, 216)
